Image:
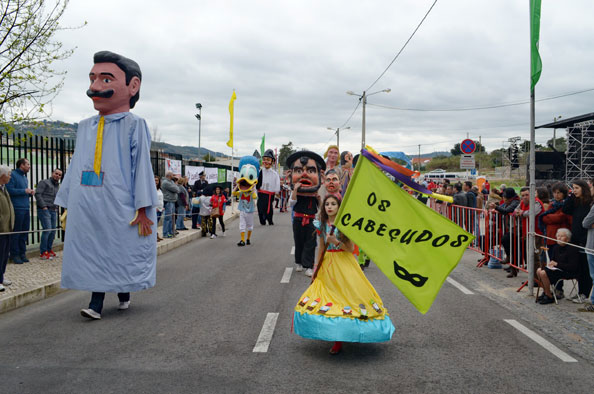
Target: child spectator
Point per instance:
(217, 203)
(160, 207)
(205, 213)
(195, 211)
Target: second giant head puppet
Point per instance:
(248, 174)
(268, 159)
(306, 169)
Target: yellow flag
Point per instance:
(231, 102)
(414, 246)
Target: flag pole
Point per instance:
(535, 70)
(531, 226)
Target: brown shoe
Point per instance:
(513, 273)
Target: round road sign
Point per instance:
(467, 146)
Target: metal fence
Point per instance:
(48, 153)
(45, 154)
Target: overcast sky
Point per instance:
(291, 63)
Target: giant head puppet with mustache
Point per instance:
(306, 168)
(109, 192)
(115, 83)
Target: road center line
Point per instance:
(541, 341)
(459, 286)
(287, 275)
(293, 250)
(266, 334)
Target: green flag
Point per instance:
(221, 175)
(262, 147)
(535, 61)
(414, 246)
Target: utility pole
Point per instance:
(419, 157)
(555, 119)
(199, 117)
(364, 101)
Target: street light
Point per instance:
(199, 117)
(338, 135)
(555, 119)
(363, 99)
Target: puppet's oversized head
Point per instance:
(332, 181)
(306, 168)
(268, 159)
(248, 173)
(115, 83)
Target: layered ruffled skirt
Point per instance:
(341, 304)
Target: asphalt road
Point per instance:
(195, 332)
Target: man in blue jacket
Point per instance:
(19, 195)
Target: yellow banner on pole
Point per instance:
(231, 108)
(414, 246)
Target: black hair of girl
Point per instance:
(324, 217)
(586, 197)
(543, 194)
(158, 184)
(215, 190)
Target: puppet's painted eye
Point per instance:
(251, 177)
(106, 80)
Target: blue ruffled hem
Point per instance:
(342, 329)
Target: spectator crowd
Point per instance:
(564, 224)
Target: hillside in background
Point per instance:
(430, 155)
(67, 130)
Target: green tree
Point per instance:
(209, 157)
(560, 144)
(525, 146)
(286, 150)
(451, 163)
(28, 53)
(456, 151)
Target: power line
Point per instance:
(404, 46)
(480, 107)
(353, 113)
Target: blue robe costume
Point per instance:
(102, 251)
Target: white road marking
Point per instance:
(541, 341)
(459, 286)
(293, 250)
(266, 334)
(287, 275)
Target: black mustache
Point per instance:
(103, 94)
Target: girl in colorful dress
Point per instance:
(340, 305)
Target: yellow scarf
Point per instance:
(98, 147)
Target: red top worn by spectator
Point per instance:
(218, 201)
(554, 222)
(538, 210)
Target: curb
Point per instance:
(30, 296)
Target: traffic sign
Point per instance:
(468, 146)
(467, 162)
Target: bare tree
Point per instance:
(28, 52)
(156, 136)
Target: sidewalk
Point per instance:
(562, 322)
(40, 279)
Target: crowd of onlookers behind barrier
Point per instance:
(564, 231)
(498, 217)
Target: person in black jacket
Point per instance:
(47, 212)
(564, 264)
(510, 202)
(200, 184)
(578, 206)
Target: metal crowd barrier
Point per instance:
(494, 232)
